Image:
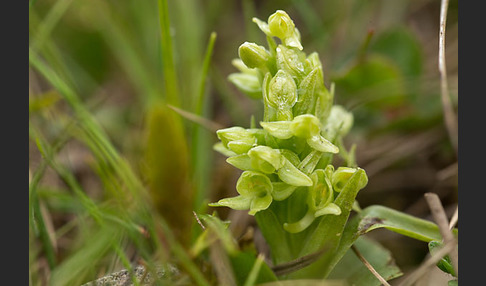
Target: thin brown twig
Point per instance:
(204, 122)
(198, 221)
(369, 266)
(440, 218)
(449, 114)
(454, 218)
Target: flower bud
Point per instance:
(281, 26)
(253, 55)
(291, 60)
(282, 92)
(339, 122)
(237, 139)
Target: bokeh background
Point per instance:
(122, 120)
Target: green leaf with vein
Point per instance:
(376, 216)
(356, 273)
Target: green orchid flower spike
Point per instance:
(288, 160)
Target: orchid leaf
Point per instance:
(354, 271)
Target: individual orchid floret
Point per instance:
(291, 175)
(291, 60)
(255, 193)
(248, 81)
(339, 122)
(306, 92)
(305, 126)
(342, 175)
(282, 95)
(253, 55)
(267, 160)
(237, 139)
(320, 199)
(281, 26)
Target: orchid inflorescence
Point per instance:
(300, 131)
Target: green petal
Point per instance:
(263, 26)
(320, 194)
(321, 144)
(294, 40)
(280, 24)
(282, 190)
(339, 122)
(310, 162)
(300, 225)
(328, 209)
(259, 204)
(278, 129)
(235, 133)
(240, 147)
(241, 162)
(291, 156)
(240, 65)
(253, 55)
(290, 60)
(247, 83)
(293, 176)
(305, 126)
(219, 147)
(341, 177)
(306, 101)
(282, 91)
(265, 159)
(253, 184)
(323, 105)
(236, 203)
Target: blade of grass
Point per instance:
(142, 75)
(209, 125)
(183, 257)
(37, 219)
(65, 174)
(49, 23)
(204, 74)
(94, 134)
(200, 142)
(252, 277)
(170, 74)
